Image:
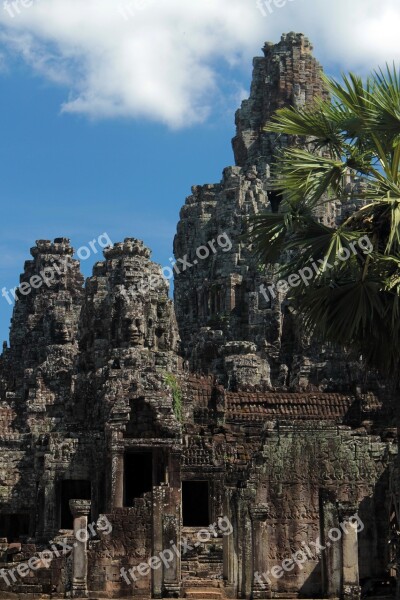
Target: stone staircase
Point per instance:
(203, 589)
(202, 570)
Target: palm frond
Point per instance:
(268, 232)
(321, 124)
(385, 101)
(302, 173)
(345, 313)
(352, 95)
(354, 303)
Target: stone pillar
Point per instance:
(158, 505)
(171, 523)
(117, 475)
(395, 477)
(245, 500)
(259, 515)
(172, 574)
(350, 577)
(51, 518)
(230, 561)
(174, 470)
(332, 555)
(80, 510)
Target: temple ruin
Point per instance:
(161, 419)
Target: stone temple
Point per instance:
(211, 432)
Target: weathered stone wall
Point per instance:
(49, 579)
(295, 466)
(128, 545)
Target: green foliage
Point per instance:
(219, 319)
(176, 391)
(355, 302)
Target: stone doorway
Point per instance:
(195, 504)
(138, 475)
(71, 489)
(13, 526)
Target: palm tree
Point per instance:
(343, 276)
(348, 153)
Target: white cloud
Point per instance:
(162, 60)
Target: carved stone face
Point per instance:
(60, 332)
(160, 333)
(141, 322)
(134, 330)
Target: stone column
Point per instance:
(174, 470)
(350, 576)
(245, 501)
(50, 520)
(332, 555)
(229, 553)
(172, 574)
(158, 506)
(80, 510)
(395, 478)
(117, 475)
(171, 523)
(259, 515)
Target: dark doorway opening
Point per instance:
(14, 526)
(195, 503)
(275, 198)
(138, 475)
(72, 490)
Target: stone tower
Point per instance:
(43, 334)
(229, 326)
(128, 334)
(287, 75)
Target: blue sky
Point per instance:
(106, 123)
(66, 176)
